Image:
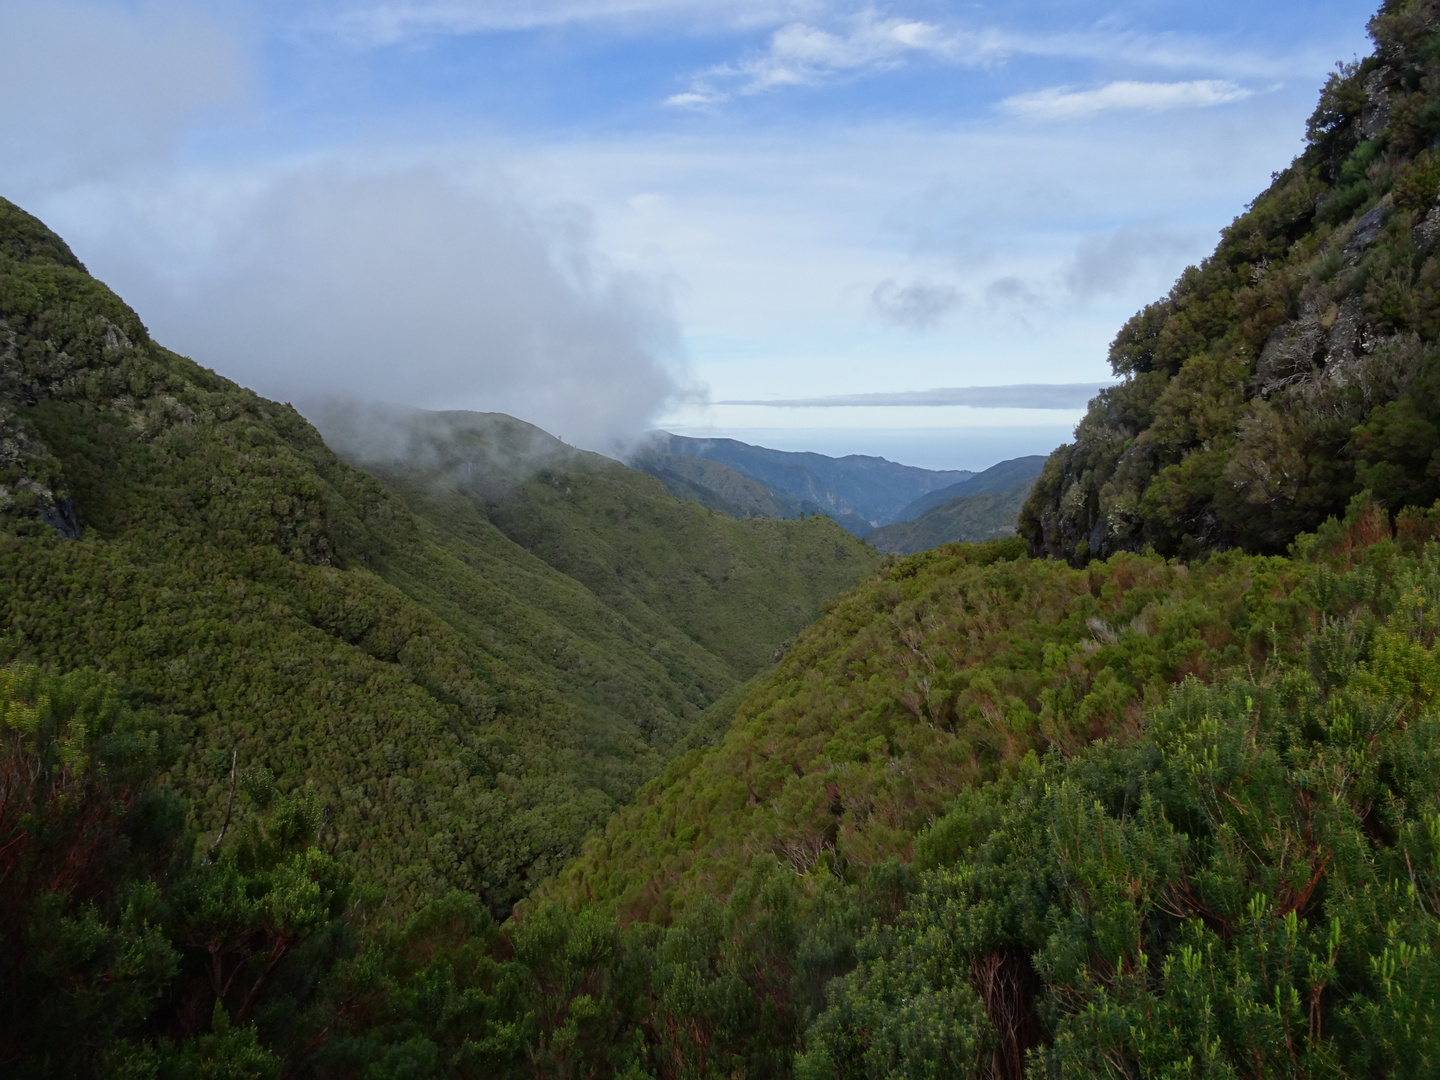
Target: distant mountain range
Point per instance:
(865, 495)
(858, 491)
(984, 507)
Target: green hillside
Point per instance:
(1173, 812)
(1298, 364)
(874, 874)
(918, 790)
(1000, 479)
(720, 487)
(930, 678)
(736, 591)
(962, 519)
(464, 709)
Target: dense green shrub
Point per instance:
(1295, 366)
(467, 703)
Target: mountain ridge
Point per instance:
(857, 490)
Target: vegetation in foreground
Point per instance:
(990, 815)
(1241, 880)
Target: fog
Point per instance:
(411, 285)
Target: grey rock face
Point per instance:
(29, 477)
(1375, 114)
(1367, 230)
(1426, 233)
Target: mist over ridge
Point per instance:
(407, 284)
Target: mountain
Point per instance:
(737, 590)
(468, 676)
(965, 519)
(865, 877)
(719, 487)
(988, 815)
(983, 507)
(974, 749)
(999, 479)
(1298, 364)
(925, 680)
(857, 491)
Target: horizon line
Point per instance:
(1056, 396)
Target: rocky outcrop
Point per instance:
(1300, 363)
(31, 485)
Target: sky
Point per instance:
(908, 229)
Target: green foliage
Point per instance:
(1167, 894)
(1250, 888)
(742, 883)
(464, 705)
(937, 674)
(964, 519)
(1298, 364)
(79, 955)
(990, 815)
(120, 953)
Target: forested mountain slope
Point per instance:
(932, 677)
(1299, 363)
(858, 491)
(464, 710)
(720, 487)
(962, 519)
(1051, 814)
(990, 815)
(983, 507)
(1000, 479)
(736, 590)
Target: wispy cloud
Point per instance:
(1067, 103)
(390, 21)
(826, 47)
(802, 54)
(408, 285)
(1020, 396)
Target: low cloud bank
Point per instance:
(406, 286)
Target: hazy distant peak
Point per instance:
(475, 447)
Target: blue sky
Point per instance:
(607, 215)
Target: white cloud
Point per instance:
(804, 54)
(1066, 103)
(396, 20)
(801, 55)
(405, 285)
(693, 99)
(87, 86)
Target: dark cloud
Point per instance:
(918, 305)
(1012, 290)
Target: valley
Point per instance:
(394, 743)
